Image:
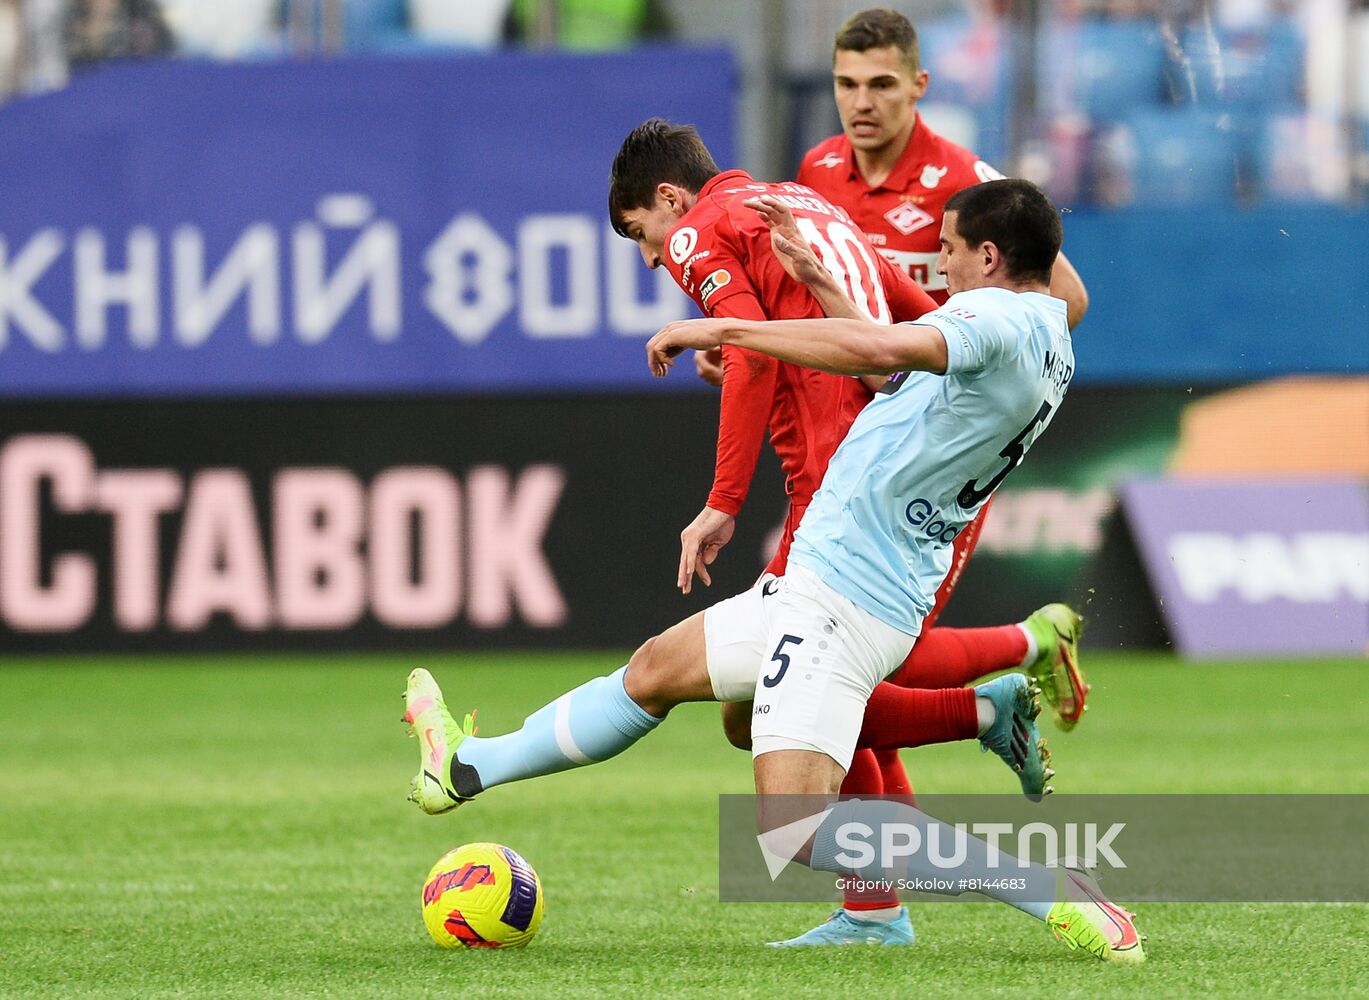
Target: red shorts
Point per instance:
(961, 550)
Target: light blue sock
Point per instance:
(594, 722)
(1035, 894)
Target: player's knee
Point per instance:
(643, 669)
(646, 680)
(737, 724)
(670, 668)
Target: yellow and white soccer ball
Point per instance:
(482, 896)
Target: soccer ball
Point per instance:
(482, 896)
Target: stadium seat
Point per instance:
(1106, 69)
(1250, 68)
(472, 24)
(1180, 156)
(375, 25)
(1299, 157)
(967, 63)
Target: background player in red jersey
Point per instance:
(886, 167)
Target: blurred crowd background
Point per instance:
(1105, 102)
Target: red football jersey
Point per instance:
(720, 254)
(902, 216)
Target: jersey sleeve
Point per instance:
(747, 396)
(907, 299)
(975, 340)
(720, 277)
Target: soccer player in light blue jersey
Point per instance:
(972, 385)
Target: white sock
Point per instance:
(1033, 650)
(885, 914)
(987, 714)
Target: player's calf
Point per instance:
(737, 723)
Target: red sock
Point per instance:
(891, 770)
(865, 778)
(913, 717)
(954, 657)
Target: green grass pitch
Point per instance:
(237, 828)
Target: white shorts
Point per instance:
(807, 656)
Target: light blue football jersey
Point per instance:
(926, 452)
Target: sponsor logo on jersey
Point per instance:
(928, 521)
(682, 243)
(908, 218)
(931, 176)
(713, 282)
(689, 266)
(985, 172)
(921, 267)
(829, 161)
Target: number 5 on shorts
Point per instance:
(783, 658)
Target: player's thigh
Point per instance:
(670, 668)
(734, 638)
(823, 656)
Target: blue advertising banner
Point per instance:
(340, 225)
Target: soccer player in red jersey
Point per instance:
(718, 251)
(886, 167)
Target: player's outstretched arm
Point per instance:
(840, 346)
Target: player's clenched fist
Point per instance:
(700, 334)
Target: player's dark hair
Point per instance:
(879, 28)
(656, 152)
(1017, 217)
